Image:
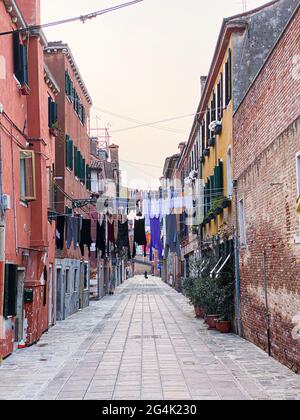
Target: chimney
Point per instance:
(31, 10)
(114, 154)
(181, 146)
(93, 146)
(203, 80)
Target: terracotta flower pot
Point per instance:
(224, 327)
(211, 321)
(198, 311)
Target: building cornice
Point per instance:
(15, 13)
(49, 79)
(55, 48)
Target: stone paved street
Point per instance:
(143, 343)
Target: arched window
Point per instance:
(229, 172)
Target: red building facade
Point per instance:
(267, 170)
(73, 176)
(27, 163)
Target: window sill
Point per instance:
(297, 239)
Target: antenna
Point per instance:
(244, 5)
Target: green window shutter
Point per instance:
(67, 83)
(55, 112)
(78, 163)
(50, 117)
(75, 161)
(67, 150)
(87, 176)
(71, 155)
(83, 180)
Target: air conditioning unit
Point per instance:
(216, 127)
(6, 201)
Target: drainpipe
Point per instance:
(2, 235)
(267, 303)
(236, 252)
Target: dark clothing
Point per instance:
(123, 237)
(111, 232)
(140, 232)
(172, 239)
(85, 235)
(139, 236)
(60, 232)
(100, 239)
(72, 232)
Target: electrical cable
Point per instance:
(105, 111)
(82, 18)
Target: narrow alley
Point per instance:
(143, 343)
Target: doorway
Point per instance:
(59, 295)
(50, 298)
(19, 326)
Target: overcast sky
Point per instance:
(143, 63)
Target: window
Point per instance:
(86, 276)
(69, 87)
(75, 279)
(67, 280)
(213, 108)
(220, 98)
(50, 187)
(228, 78)
(229, 173)
(52, 113)
(10, 291)
(242, 223)
(69, 153)
(27, 179)
(298, 173)
(88, 178)
(20, 60)
(207, 126)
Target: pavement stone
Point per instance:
(143, 343)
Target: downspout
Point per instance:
(267, 303)
(14, 191)
(236, 253)
(2, 236)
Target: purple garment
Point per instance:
(155, 237)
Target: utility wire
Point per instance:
(82, 18)
(105, 111)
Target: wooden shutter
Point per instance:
(24, 77)
(50, 117)
(17, 55)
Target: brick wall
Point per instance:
(266, 141)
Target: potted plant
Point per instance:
(210, 301)
(218, 206)
(54, 130)
(226, 304)
(226, 203)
